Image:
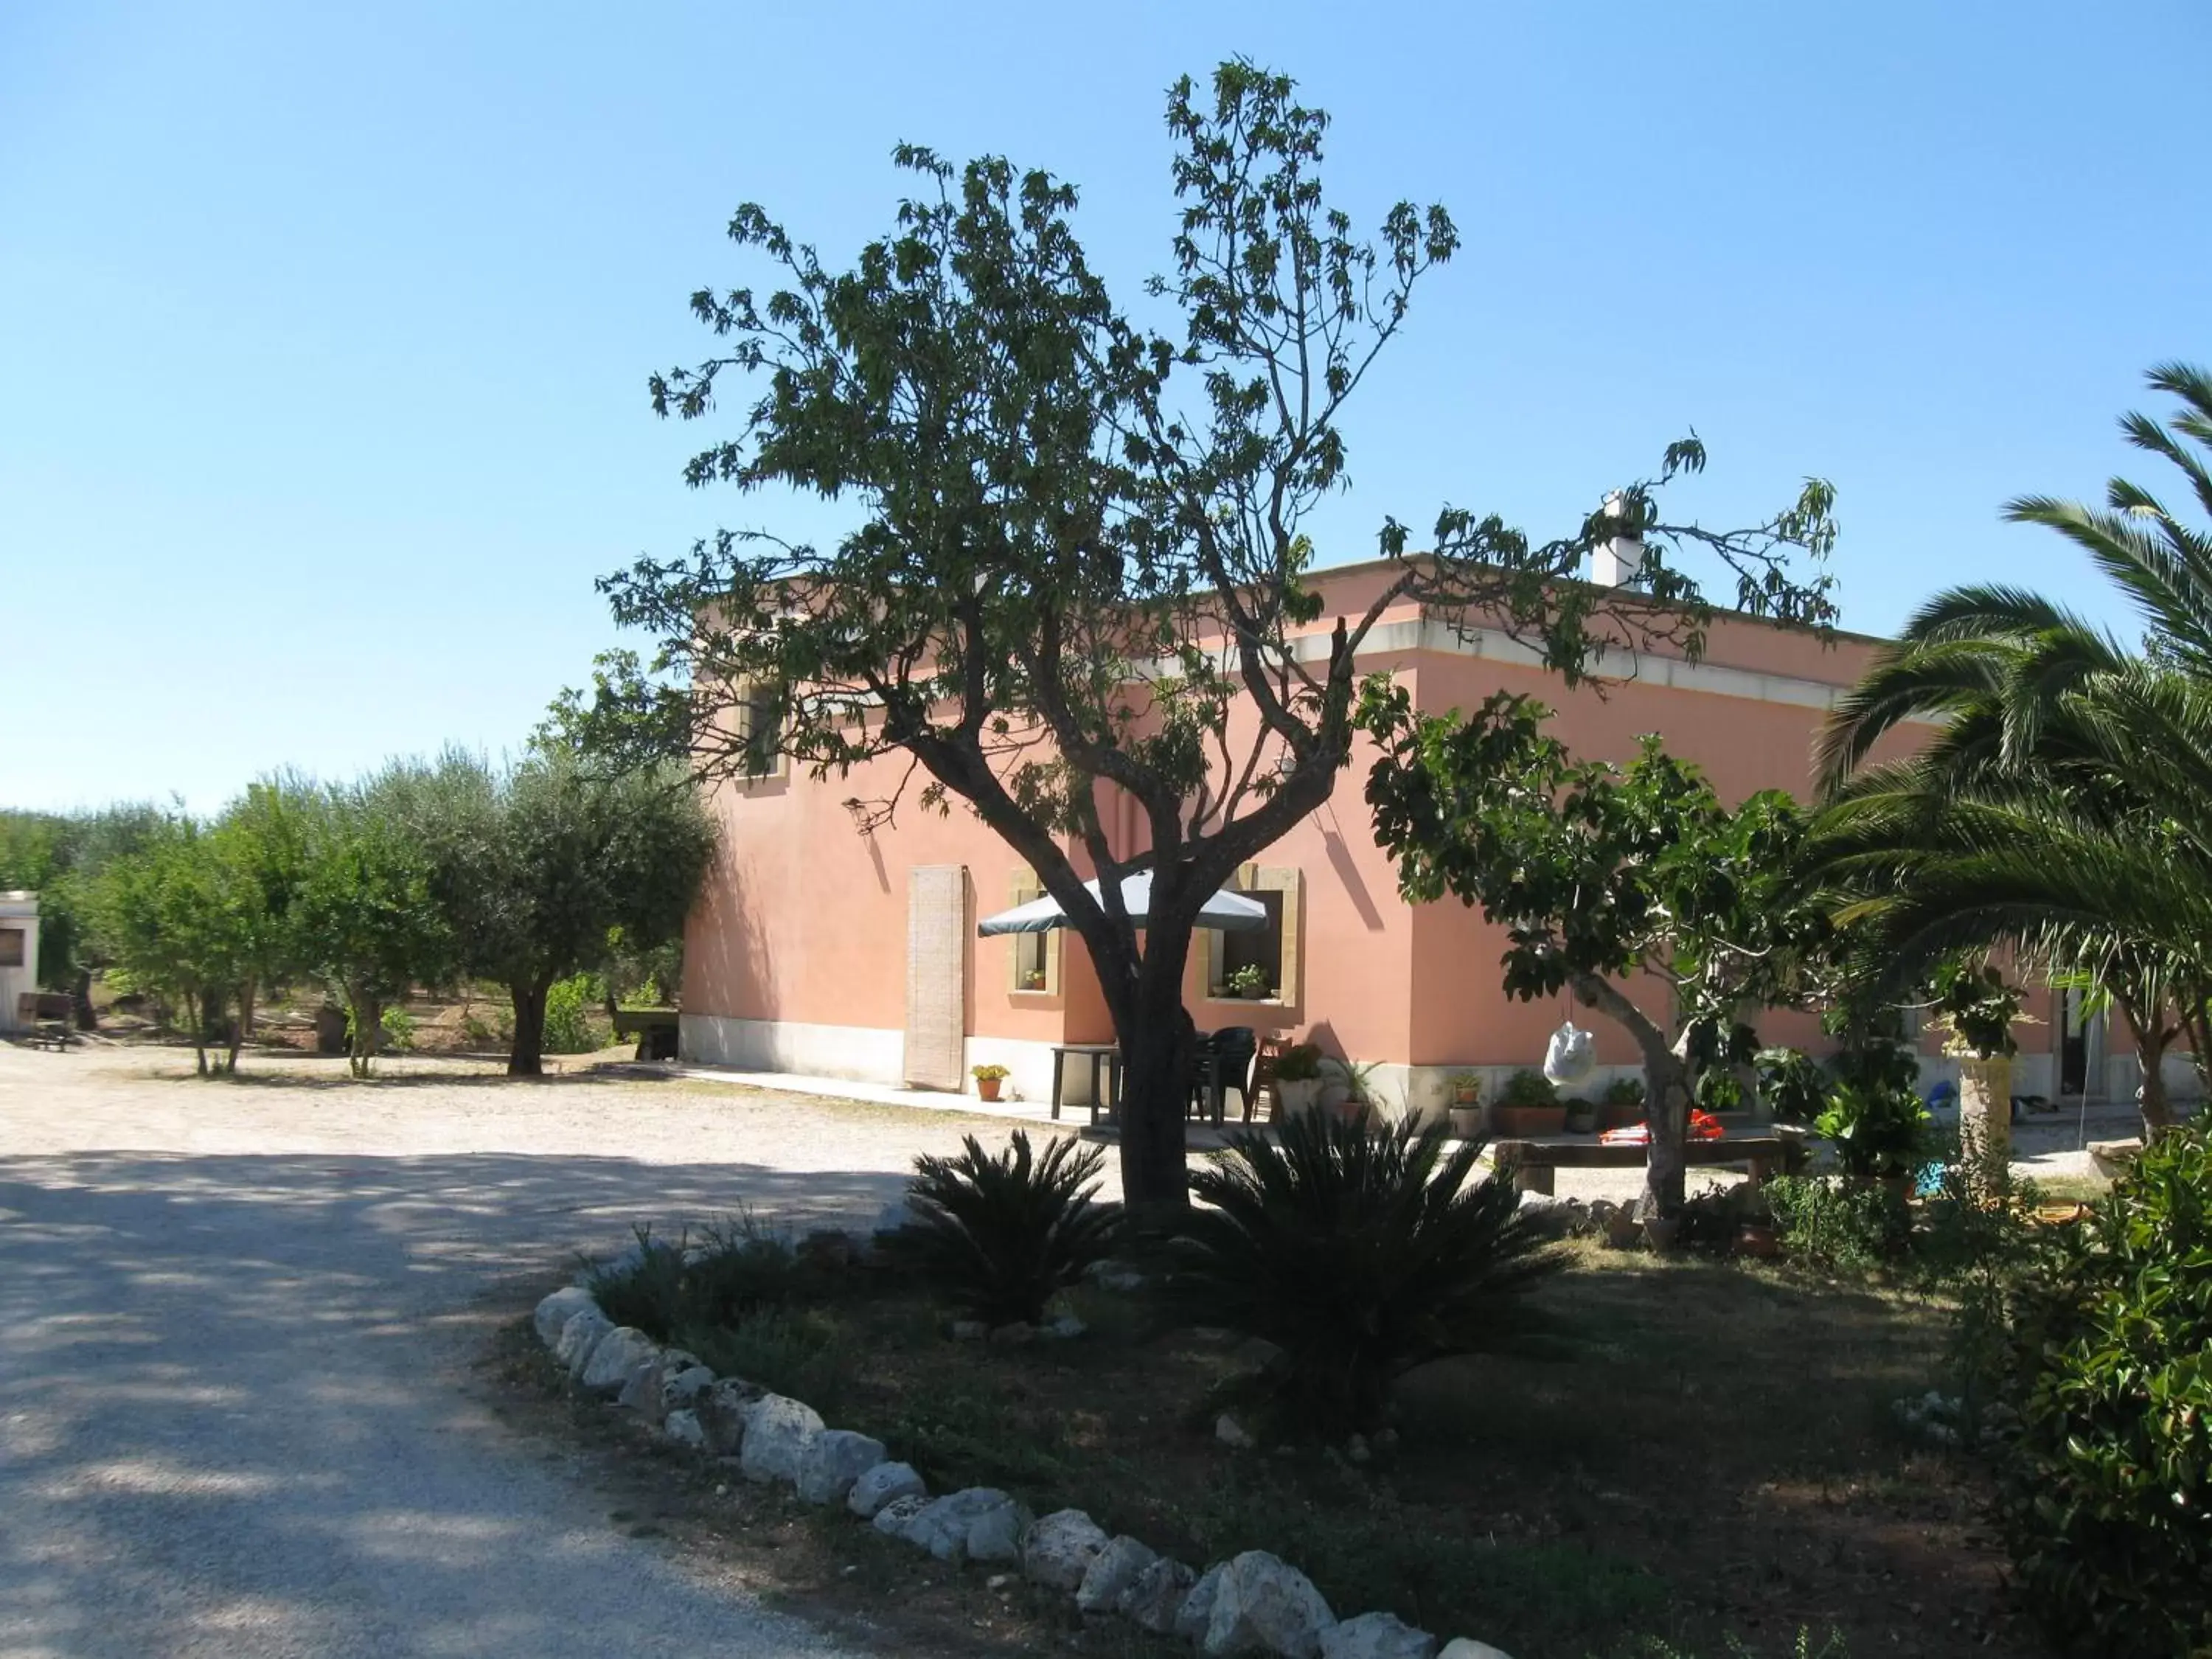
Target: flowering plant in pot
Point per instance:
(1298, 1079)
(1530, 1105)
(1466, 1104)
(988, 1080)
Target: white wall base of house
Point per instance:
(864, 1053)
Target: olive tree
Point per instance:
(545, 870)
(1080, 542)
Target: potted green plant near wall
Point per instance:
(1529, 1105)
(1250, 982)
(1582, 1115)
(1298, 1079)
(1621, 1104)
(1976, 1010)
(1466, 1107)
(988, 1080)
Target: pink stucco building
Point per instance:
(802, 955)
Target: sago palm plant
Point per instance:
(1000, 1236)
(1357, 1255)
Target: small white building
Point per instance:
(19, 952)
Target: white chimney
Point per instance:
(1614, 563)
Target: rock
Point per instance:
(1196, 1612)
(682, 1429)
(979, 1524)
(614, 1357)
(1265, 1606)
(886, 1483)
(1112, 1574)
(998, 1581)
(776, 1433)
(969, 1330)
(1061, 1548)
(1065, 1329)
(1376, 1636)
(1156, 1595)
(580, 1336)
(897, 1515)
(1465, 1646)
(832, 1461)
(1015, 1335)
(725, 1409)
(680, 1390)
(1230, 1432)
(558, 1309)
(641, 1392)
(1555, 1218)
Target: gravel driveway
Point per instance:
(224, 1429)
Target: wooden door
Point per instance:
(937, 976)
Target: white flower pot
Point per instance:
(1298, 1095)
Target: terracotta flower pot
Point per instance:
(1757, 1239)
(1529, 1119)
(986, 1088)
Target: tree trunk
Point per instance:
(2152, 1037)
(367, 1027)
(1667, 1086)
(526, 1055)
(81, 994)
(196, 1018)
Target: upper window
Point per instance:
(760, 730)
(11, 947)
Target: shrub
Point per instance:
(1624, 1092)
(999, 1236)
(1299, 1063)
(568, 1028)
(1791, 1084)
(1719, 1090)
(1358, 1256)
(2107, 1490)
(1529, 1088)
(398, 1026)
(1878, 1129)
(735, 1271)
(1838, 1226)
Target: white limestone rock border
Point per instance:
(1252, 1605)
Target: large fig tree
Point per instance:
(1077, 543)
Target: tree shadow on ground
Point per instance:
(233, 1422)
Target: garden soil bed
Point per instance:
(1709, 1454)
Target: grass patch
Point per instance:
(1714, 1462)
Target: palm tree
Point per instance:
(2065, 810)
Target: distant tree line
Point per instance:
(426, 873)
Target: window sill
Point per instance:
(1026, 991)
(1230, 1000)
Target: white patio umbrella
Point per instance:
(1232, 913)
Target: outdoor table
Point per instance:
(1107, 1055)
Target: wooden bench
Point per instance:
(45, 1016)
(653, 1031)
(1531, 1160)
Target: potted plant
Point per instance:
(1466, 1104)
(1621, 1104)
(1530, 1105)
(1976, 1010)
(1033, 979)
(988, 1080)
(1880, 1133)
(1250, 982)
(1582, 1115)
(1298, 1079)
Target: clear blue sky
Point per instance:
(324, 331)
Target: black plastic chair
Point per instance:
(1222, 1062)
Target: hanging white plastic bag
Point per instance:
(1572, 1057)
